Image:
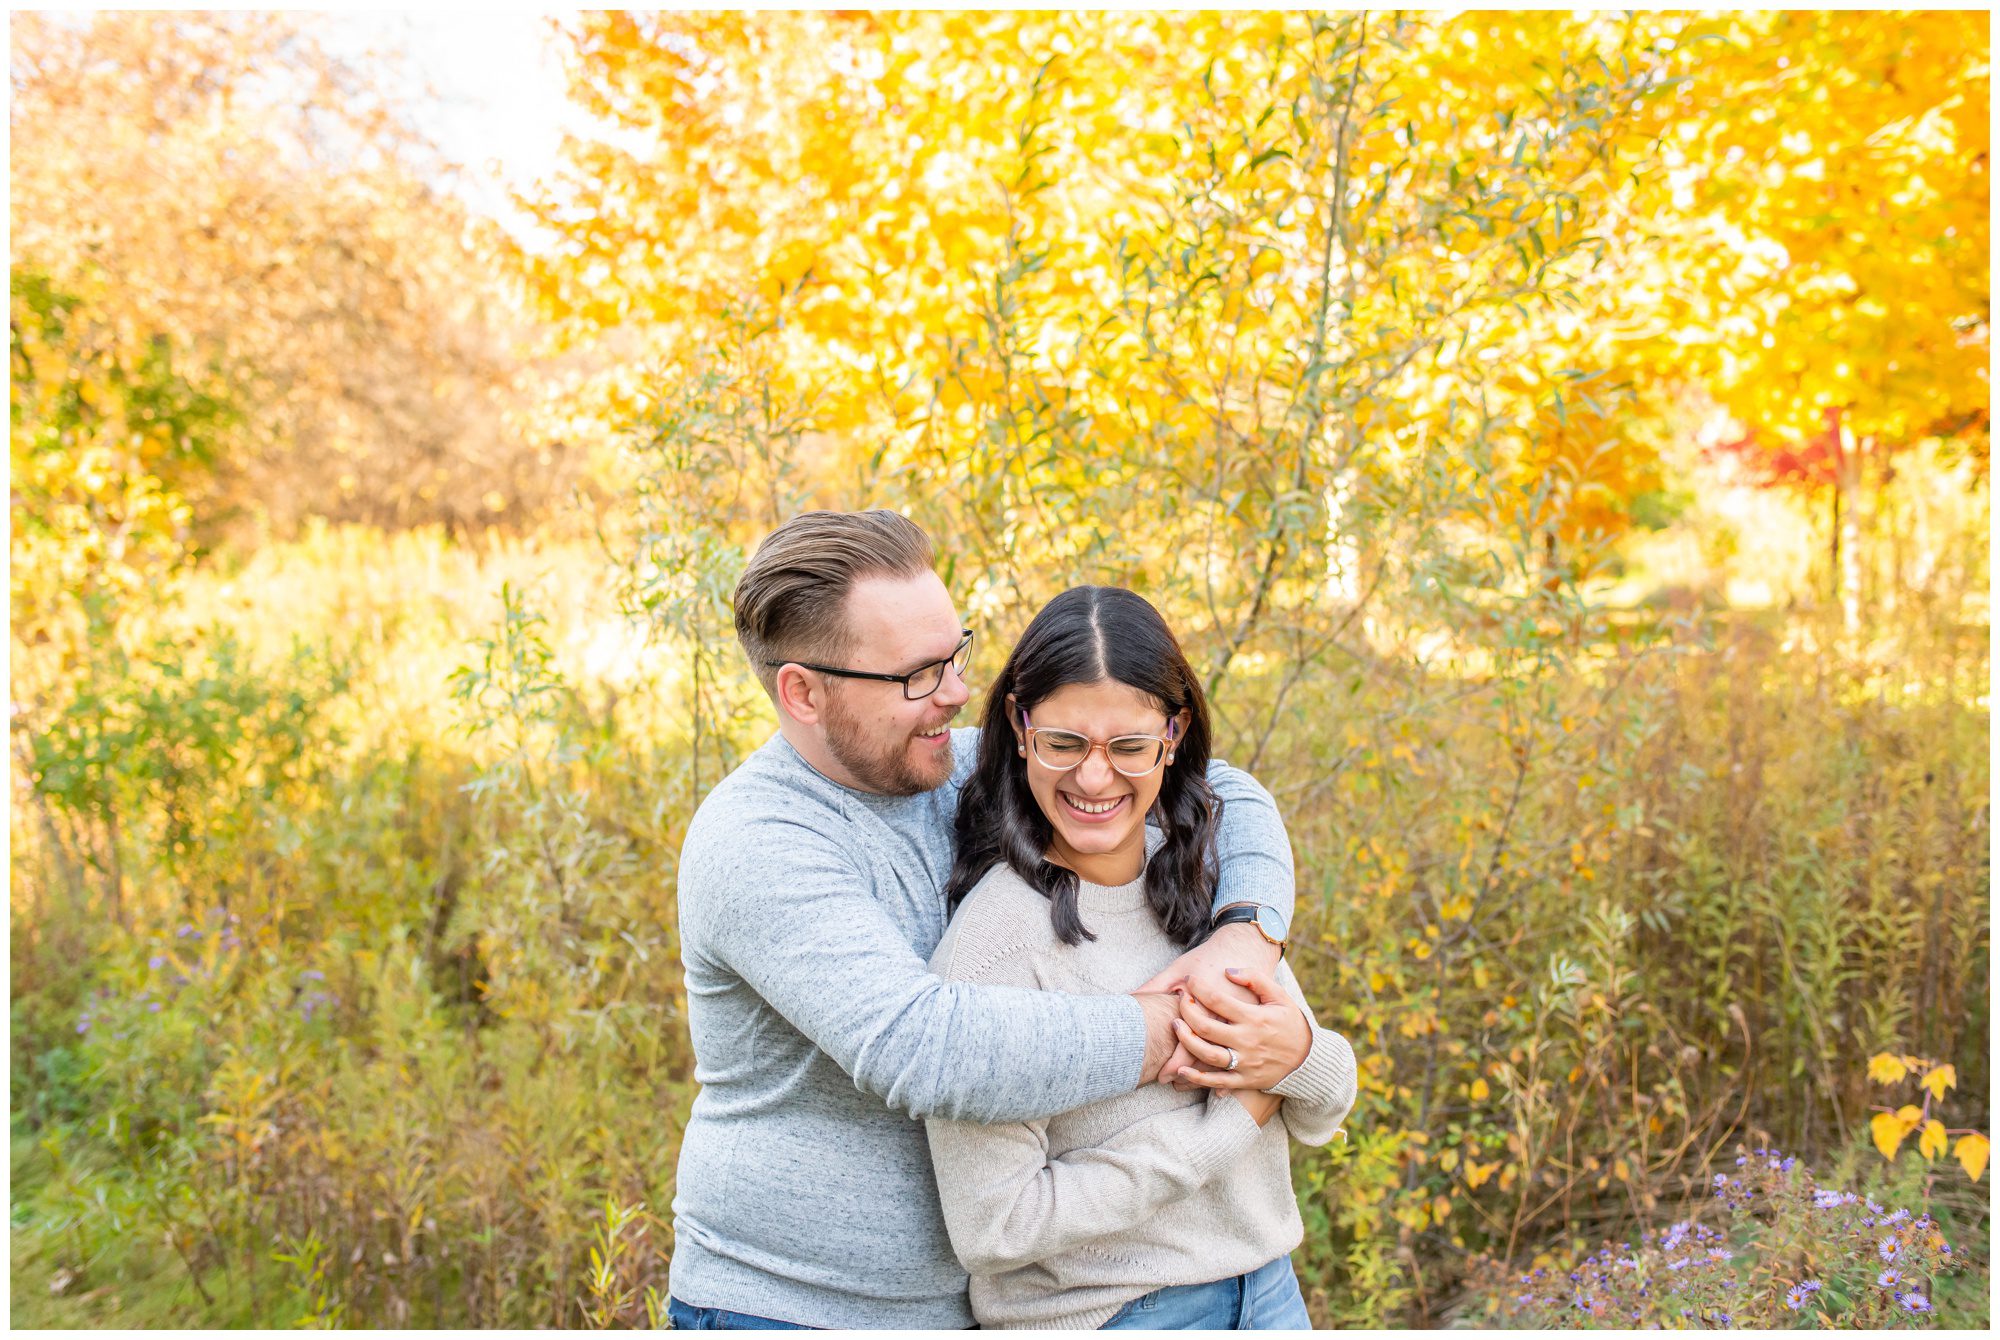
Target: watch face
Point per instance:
(1272, 923)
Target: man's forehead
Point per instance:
(910, 617)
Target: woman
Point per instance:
(1156, 1209)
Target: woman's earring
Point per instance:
(1021, 749)
(1170, 756)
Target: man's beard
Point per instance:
(887, 770)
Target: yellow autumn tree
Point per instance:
(1825, 215)
(1245, 310)
(220, 192)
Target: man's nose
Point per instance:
(952, 692)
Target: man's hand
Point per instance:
(1270, 1038)
(1162, 1013)
(1234, 946)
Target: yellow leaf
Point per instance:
(1476, 1173)
(1933, 1141)
(1622, 1170)
(1910, 1115)
(1971, 1153)
(1479, 1091)
(1888, 1133)
(1885, 1069)
(1448, 1160)
(1944, 1077)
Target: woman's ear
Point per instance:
(1014, 722)
(1177, 727)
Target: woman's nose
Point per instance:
(1096, 771)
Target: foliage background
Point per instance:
(1561, 440)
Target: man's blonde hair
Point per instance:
(791, 602)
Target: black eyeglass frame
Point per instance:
(961, 656)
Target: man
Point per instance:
(811, 897)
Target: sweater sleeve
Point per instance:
(1320, 1093)
(799, 928)
(1253, 851)
(1008, 1203)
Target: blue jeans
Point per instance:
(1266, 1299)
(684, 1318)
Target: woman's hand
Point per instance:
(1236, 946)
(1266, 1035)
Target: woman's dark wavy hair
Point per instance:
(1088, 635)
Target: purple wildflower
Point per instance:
(1887, 1248)
(1898, 1217)
(313, 975)
(157, 962)
(152, 1007)
(83, 1024)
(1889, 1278)
(1914, 1302)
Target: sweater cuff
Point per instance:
(1324, 1081)
(1224, 1134)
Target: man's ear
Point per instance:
(799, 694)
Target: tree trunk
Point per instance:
(1847, 534)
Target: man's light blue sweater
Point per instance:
(808, 914)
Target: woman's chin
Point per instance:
(1094, 839)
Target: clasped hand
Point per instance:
(1230, 999)
(1243, 1011)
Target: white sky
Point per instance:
(496, 101)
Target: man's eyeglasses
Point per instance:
(921, 682)
(1062, 750)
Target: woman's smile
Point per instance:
(1092, 809)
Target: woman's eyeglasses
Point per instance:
(1062, 750)
(921, 682)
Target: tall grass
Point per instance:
(345, 979)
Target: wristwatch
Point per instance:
(1270, 923)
